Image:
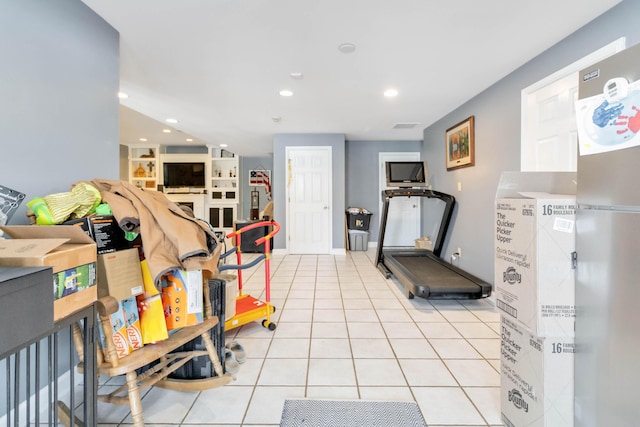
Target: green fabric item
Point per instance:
(130, 235)
(103, 209)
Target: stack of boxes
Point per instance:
(535, 292)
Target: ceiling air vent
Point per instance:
(405, 125)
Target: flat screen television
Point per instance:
(407, 174)
(189, 174)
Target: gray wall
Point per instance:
(362, 175)
(58, 101)
(337, 144)
(497, 137)
(247, 164)
(58, 97)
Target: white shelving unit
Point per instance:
(224, 179)
(143, 166)
(224, 191)
(217, 203)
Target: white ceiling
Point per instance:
(217, 65)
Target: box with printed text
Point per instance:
(67, 250)
(125, 329)
(536, 381)
(535, 260)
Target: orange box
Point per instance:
(182, 298)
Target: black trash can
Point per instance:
(358, 219)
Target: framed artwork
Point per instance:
(460, 147)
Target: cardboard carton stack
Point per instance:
(535, 292)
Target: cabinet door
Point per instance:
(607, 339)
(222, 217)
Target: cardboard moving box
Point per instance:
(62, 248)
(536, 385)
(119, 274)
(534, 253)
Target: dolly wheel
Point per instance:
(269, 325)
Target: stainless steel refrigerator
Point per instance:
(607, 359)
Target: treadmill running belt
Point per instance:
(437, 277)
(425, 275)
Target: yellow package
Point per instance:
(152, 324)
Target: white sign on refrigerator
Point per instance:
(609, 121)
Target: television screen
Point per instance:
(407, 174)
(183, 174)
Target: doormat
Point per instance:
(350, 413)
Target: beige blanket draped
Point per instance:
(170, 238)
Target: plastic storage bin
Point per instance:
(358, 240)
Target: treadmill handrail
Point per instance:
(448, 199)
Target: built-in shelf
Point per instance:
(216, 203)
(143, 166)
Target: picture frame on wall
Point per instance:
(460, 145)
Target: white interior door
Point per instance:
(403, 218)
(308, 200)
(549, 129)
(553, 135)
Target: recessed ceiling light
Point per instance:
(166, 130)
(286, 92)
(390, 93)
(297, 76)
(223, 145)
(276, 119)
(170, 120)
(347, 48)
(143, 139)
(122, 95)
(189, 139)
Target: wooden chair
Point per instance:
(156, 360)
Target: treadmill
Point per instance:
(423, 272)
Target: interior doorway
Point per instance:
(549, 140)
(403, 218)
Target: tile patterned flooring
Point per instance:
(345, 332)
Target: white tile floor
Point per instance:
(345, 332)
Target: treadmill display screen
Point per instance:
(407, 174)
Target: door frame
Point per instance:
(288, 175)
(382, 157)
(598, 55)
